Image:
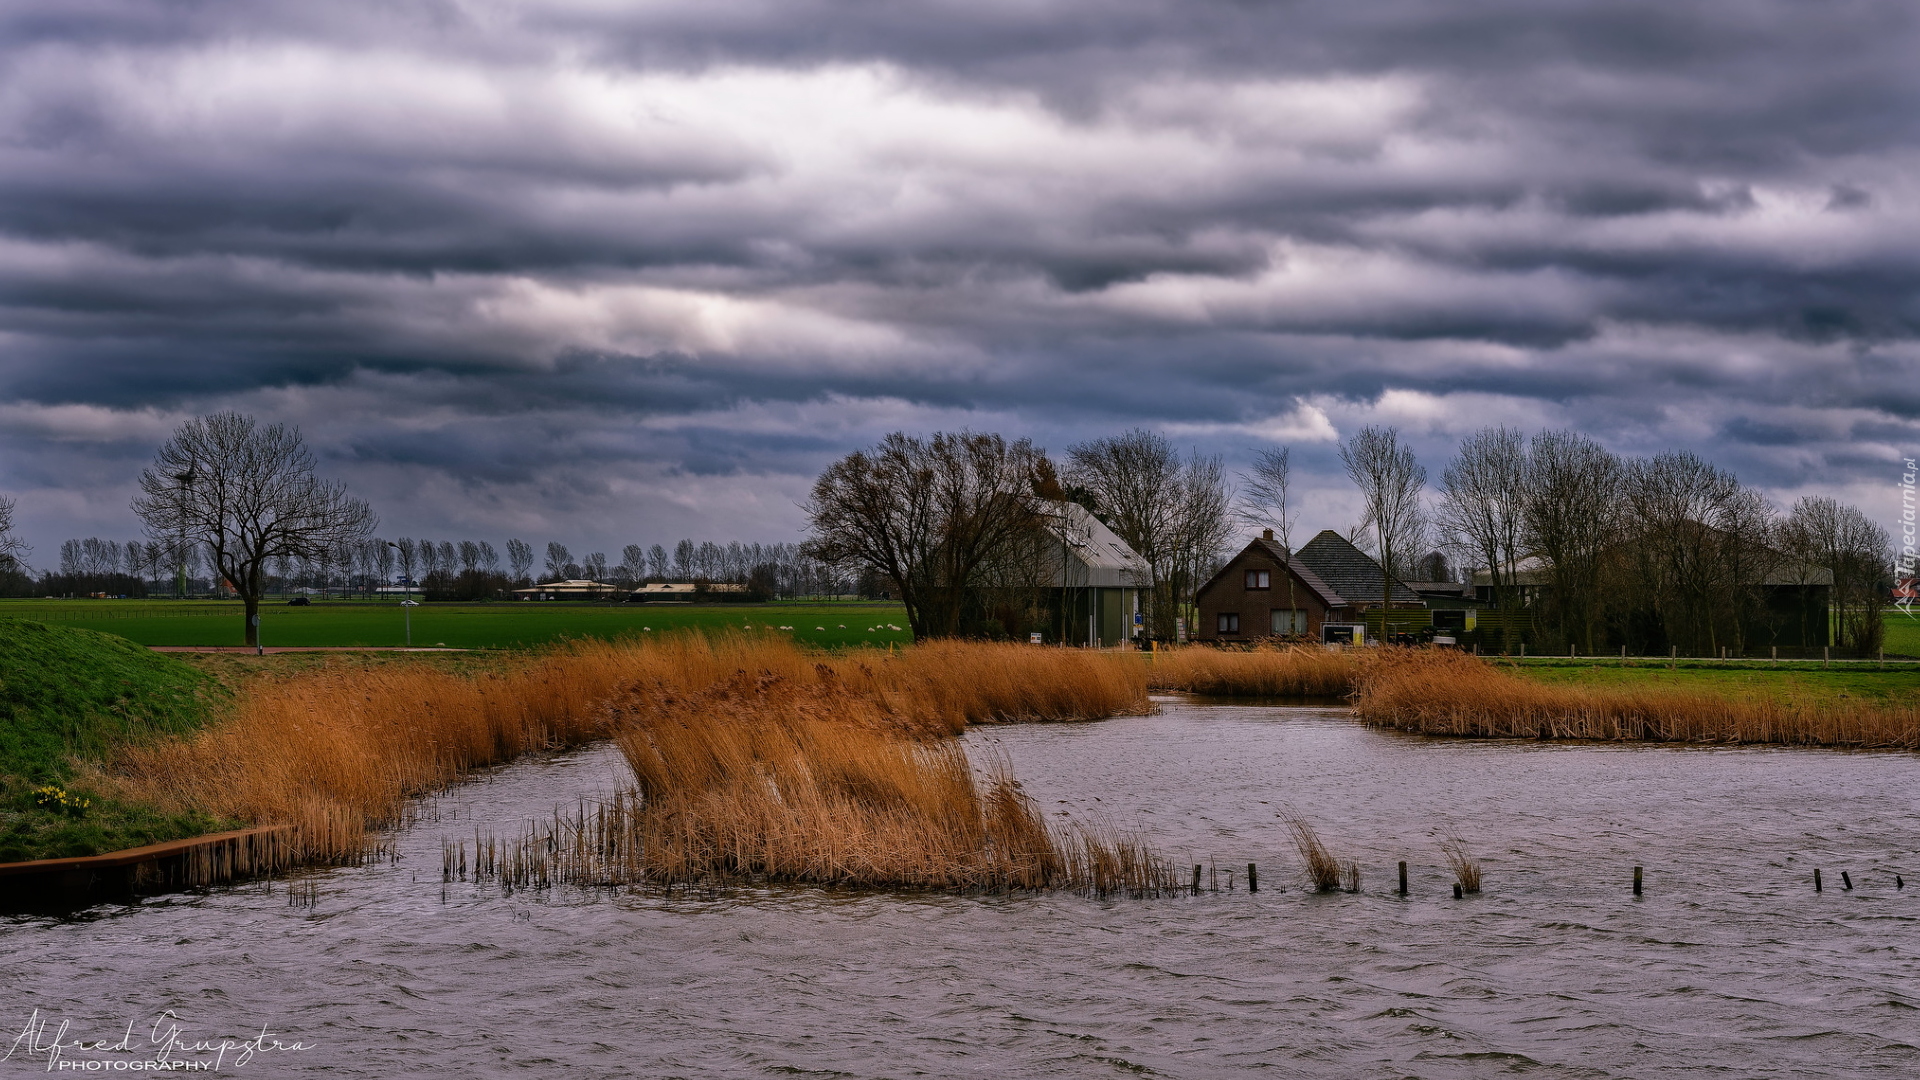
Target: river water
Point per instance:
(1729, 965)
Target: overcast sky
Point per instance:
(608, 271)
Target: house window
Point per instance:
(1259, 579)
(1289, 621)
(1230, 622)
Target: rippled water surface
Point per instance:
(1730, 965)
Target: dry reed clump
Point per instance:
(1466, 869)
(1263, 671)
(1444, 692)
(1323, 869)
(765, 778)
(337, 751)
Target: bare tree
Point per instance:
(1265, 491)
(657, 562)
(1692, 524)
(596, 565)
(1482, 504)
(409, 560)
(489, 558)
(929, 515)
(519, 559)
(1174, 514)
(1389, 480)
(469, 557)
(558, 558)
(383, 558)
(1571, 513)
(13, 550)
(633, 562)
(246, 493)
(1826, 532)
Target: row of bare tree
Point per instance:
(1639, 551)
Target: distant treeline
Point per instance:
(439, 569)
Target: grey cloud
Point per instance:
(562, 250)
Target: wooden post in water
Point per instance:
(1846, 881)
(1816, 880)
(1403, 877)
(1253, 878)
(1636, 881)
(1458, 893)
(1898, 882)
(1196, 879)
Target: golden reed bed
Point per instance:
(337, 752)
(1444, 692)
(1262, 671)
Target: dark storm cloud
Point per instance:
(607, 267)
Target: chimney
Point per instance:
(1266, 534)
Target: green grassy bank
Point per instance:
(503, 625)
(1896, 683)
(68, 695)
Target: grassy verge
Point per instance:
(1903, 633)
(1748, 681)
(69, 697)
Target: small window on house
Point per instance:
(1259, 579)
(1230, 623)
(1289, 621)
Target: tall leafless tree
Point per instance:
(1266, 500)
(246, 494)
(1481, 508)
(1390, 481)
(1690, 523)
(13, 550)
(558, 559)
(928, 515)
(1826, 532)
(1173, 513)
(1571, 514)
(519, 559)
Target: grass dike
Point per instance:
(69, 700)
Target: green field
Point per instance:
(459, 625)
(1895, 684)
(1903, 633)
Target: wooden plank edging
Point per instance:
(135, 856)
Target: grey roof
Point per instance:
(1450, 588)
(1351, 572)
(1095, 556)
(1272, 548)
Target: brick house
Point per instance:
(1250, 597)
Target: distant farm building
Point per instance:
(686, 592)
(571, 589)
